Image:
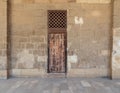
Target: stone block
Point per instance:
(93, 1)
(42, 1)
(3, 74)
(27, 72)
(27, 1)
(93, 72)
(16, 1)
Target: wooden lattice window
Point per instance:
(57, 19)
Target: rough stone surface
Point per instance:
(116, 41)
(89, 37)
(59, 85)
(93, 1)
(89, 51)
(61, 1)
(3, 39)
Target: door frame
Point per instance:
(54, 30)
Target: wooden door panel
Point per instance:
(57, 52)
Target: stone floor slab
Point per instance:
(59, 85)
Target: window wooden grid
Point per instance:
(57, 19)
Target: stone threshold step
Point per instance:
(50, 75)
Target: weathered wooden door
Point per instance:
(57, 35)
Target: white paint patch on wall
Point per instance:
(25, 59)
(3, 61)
(73, 59)
(42, 59)
(79, 20)
(69, 45)
(118, 43)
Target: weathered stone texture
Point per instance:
(88, 44)
(116, 41)
(29, 39)
(3, 39)
(60, 1)
(93, 1)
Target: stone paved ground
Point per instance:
(59, 85)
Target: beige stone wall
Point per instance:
(3, 39)
(116, 41)
(88, 42)
(29, 39)
(61, 1)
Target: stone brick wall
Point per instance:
(116, 40)
(89, 35)
(61, 1)
(3, 39)
(89, 42)
(29, 39)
